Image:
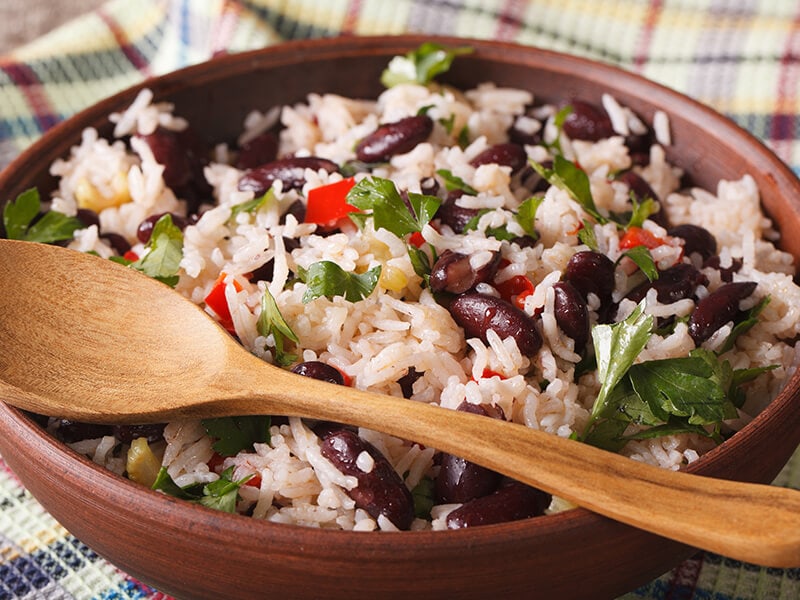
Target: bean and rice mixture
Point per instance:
(476, 249)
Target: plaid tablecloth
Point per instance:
(741, 57)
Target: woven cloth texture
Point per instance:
(741, 57)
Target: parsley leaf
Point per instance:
(163, 260)
(234, 434)
(452, 182)
(743, 326)
(326, 278)
(567, 176)
(526, 215)
(271, 321)
(587, 237)
(389, 211)
(421, 65)
(644, 260)
(19, 215)
(221, 494)
(252, 206)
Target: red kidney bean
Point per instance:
(695, 239)
(258, 151)
(587, 122)
(266, 271)
(460, 480)
(725, 273)
(453, 215)
(145, 229)
(429, 186)
(718, 308)
(151, 431)
(591, 272)
(379, 492)
(571, 312)
(398, 137)
(290, 171)
(453, 273)
(183, 155)
(407, 382)
(507, 155)
(74, 431)
(673, 284)
(637, 185)
(513, 501)
(319, 370)
(523, 138)
(297, 209)
(478, 313)
(117, 242)
(88, 217)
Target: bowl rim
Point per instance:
(43, 149)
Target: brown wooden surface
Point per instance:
(556, 556)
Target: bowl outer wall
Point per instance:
(190, 551)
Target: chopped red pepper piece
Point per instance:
(328, 203)
(487, 373)
(416, 239)
(131, 256)
(515, 290)
(636, 236)
(216, 301)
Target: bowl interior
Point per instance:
(550, 551)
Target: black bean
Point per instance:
(522, 137)
(673, 284)
(725, 273)
(153, 432)
(398, 137)
(695, 239)
(639, 147)
(290, 171)
(460, 480)
(379, 492)
(478, 313)
(259, 151)
(145, 229)
(75, 431)
(718, 308)
(429, 186)
(319, 370)
(513, 501)
(266, 271)
(507, 155)
(297, 209)
(453, 215)
(452, 272)
(587, 121)
(571, 312)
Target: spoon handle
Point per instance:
(749, 522)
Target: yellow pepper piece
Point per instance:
(88, 196)
(393, 279)
(142, 463)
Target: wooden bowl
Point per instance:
(193, 552)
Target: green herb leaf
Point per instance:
(51, 227)
(566, 176)
(587, 237)
(163, 260)
(421, 65)
(223, 493)
(271, 322)
(165, 483)
(558, 123)
(743, 326)
(463, 137)
(422, 495)
(616, 348)
(420, 262)
(252, 206)
(448, 123)
(388, 209)
(326, 278)
(644, 260)
(452, 182)
(641, 211)
(234, 434)
(526, 215)
(674, 426)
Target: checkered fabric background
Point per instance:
(741, 57)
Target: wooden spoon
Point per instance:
(86, 339)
